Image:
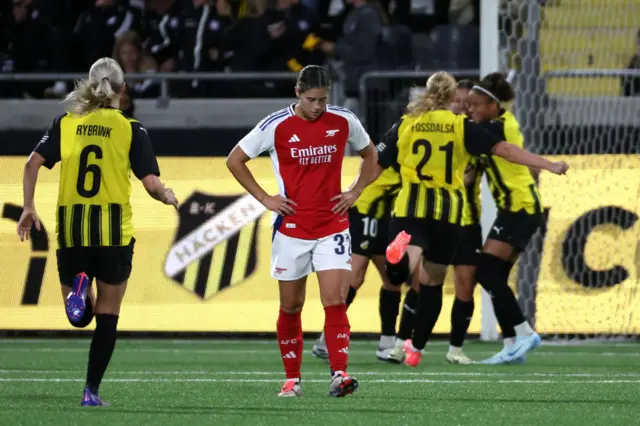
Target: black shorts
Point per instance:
(111, 265)
(515, 228)
(438, 239)
(469, 245)
(369, 236)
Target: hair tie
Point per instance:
(486, 92)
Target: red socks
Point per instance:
(337, 333)
(289, 329)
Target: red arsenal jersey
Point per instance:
(307, 160)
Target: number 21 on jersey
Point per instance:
(430, 161)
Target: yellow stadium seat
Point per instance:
(588, 34)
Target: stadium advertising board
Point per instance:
(206, 266)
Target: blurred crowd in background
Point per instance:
(353, 36)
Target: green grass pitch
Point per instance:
(230, 382)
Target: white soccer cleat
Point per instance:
(397, 354)
(385, 347)
(456, 356)
(383, 353)
(320, 348)
(291, 388)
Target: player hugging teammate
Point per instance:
(433, 154)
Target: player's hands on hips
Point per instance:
(559, 167)
(170, 198)
(345, 201)
(27, 219)
(279, 204)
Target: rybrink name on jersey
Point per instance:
(93, 130)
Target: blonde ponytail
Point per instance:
(99, 90)
(439, 93)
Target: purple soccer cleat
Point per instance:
(90, 399)
(75, 304)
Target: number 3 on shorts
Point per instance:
(340, 240)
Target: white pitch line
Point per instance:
(275, 350)
(205, 341)
(316, 373)
(462, 382)
(254, 342)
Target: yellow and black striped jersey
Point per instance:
(97, 151)
(433, 153)
(473, 206)
(512, 185)
(378, 197)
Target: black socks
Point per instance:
(102, 345)
(493, 275)
(389, 309)
(461, 314)
(408, 314)
(429, 307)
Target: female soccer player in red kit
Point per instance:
(306, 142)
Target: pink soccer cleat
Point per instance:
(413, 357)
(398, 247)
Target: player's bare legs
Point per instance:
(359, 266)
(429, 307)
(464, 280)
(493, 271)
(289, 332)
(337, 331)
(107, 311)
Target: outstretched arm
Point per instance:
(480, 141)
(518, 155)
